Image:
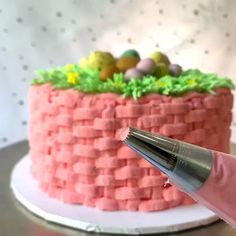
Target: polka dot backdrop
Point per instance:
(49, 33)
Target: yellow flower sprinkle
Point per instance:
(69, 67)
(72, 77)
(192, 82)
(161, 84)
(119, 85)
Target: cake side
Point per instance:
(77, 158)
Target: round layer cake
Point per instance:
(73, 129)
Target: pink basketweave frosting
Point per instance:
(77, 158)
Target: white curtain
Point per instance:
(48, 33)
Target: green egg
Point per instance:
(130, 53)
(161, 70)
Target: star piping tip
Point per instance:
(124, 133)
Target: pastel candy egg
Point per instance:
(108, 72)
(175, 70)
(161, 70)
(125, 63)
(84, 62)
(156, 57)
(130, 53)
(165, 59)
(98, 59)
(147, 66)
(159, 57)
(133, 73)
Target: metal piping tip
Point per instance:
(186, 165)
(164, 143)
(149, 147)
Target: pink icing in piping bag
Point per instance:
(218, 193)
(206, 175)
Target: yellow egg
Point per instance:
(157, 57)
(84, 63)
(99, 60)
(161, 70)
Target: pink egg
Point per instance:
(147, 66)
(133, 73)
(175, 70)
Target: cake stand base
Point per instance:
(27, 192)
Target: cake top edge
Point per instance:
(130, 76)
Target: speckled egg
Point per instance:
(108, 72)
(130, 53)
(161, 70)
(133, 73)
(159, 57)
(99, 60)
(147, 66)
(125, 63)
(175, 69)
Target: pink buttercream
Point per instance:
(219, 191)
(77, 156)
(123, 134)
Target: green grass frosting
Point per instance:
(87, 80)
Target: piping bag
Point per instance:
(208, 176)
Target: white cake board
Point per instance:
(28, 193)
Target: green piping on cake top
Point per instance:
(150, 75)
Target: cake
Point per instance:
(77, 111)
